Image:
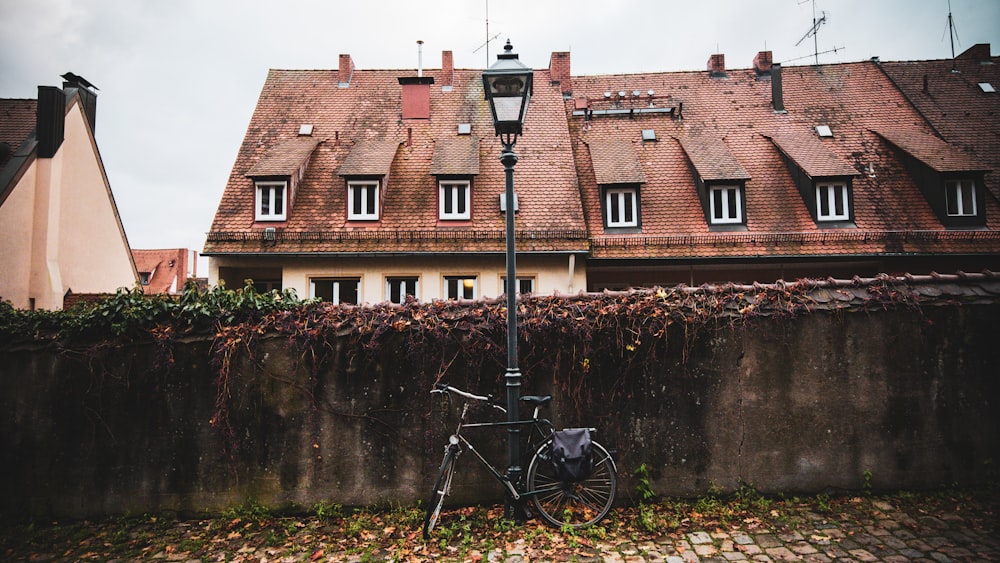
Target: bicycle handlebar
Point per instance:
(445, 388)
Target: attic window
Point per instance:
(987, 87)
(464, 128)
(144, 278)
(648, 135)
(306, 129)
(824, 131)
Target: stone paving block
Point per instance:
(628, 549)
(940, 557)
(932, 522)
(956, 552)
(883, 506)
(741, 538)
(802, 548)
(920, 545)
(903, 534)
(720, 535)
(750, 549)
(705, 550)
(848, 544)
(782, 554)
(910, 553)
(697, 538)
(635, 559)
(734, 555)
(675, 559)
(763, 558)
(836, 553)
(767, 540)
(864, 539)
(877, 531)
(896, 559)
(791, 535)
(817, 558)
(862, 555)
(893, 542)
(938, 541)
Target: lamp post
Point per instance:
(507, 85)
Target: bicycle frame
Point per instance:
(535, 423)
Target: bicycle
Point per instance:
(560, 503)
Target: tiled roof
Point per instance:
(711, 158)
(947, 95)
(809, 154)
(17, 121)
(456, 157)
(932, 151)
(372, 158)
(614, 161)
(891, 215)
(167, 268)
(369, 109)
(284, 158)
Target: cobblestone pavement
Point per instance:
(903, 527)
(891, 535)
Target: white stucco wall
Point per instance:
(551, 272)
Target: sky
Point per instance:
(178, 80)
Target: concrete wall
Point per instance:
(795, 405)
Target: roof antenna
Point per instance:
(952, 32)
(489, 39)
(814, 30)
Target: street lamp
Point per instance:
(507, 85)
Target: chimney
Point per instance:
(420, 57)
(416, 96)
(345, 71)
(762, 63)
(74, 84)
(979, 52)
(776, 98)
(559, 71)
(50, 120)
(717, 65)
(447, 70)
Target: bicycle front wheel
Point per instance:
(576, 505)
(442, 488)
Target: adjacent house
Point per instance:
(373, 185)
(165, 270)
(61, 229)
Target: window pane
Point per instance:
(278, 200)
(840, 195)
(968, 199)
(448, 194)
(369, 200)
(614, 200)
(265, 201)
(717, 206)
(734, 200)
(629, 201)
(460, 199)
(824, 201)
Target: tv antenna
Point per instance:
(489, 39)
(814, 30)
(953, 33)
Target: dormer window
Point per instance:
(362, 200)
(832, 201)
(621, 207)
(454, 200)
(960, 198)
(726, 205)
(271, 200)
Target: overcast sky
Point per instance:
(179, 79)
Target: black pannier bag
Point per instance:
(572, 454)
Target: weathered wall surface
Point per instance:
(787, 405)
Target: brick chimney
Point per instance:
(345, 71)
(978, 52)
(447, 70)
(762, 63)
(717, 65)
(559, 68)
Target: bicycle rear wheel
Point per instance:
(442, 488)
(572, 504)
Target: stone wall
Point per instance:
(790, 405)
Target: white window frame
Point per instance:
(829, 190)
(390, 280)
(727, 192)
(265, 207)
(337, 280)
(455, 191)
(959, 188)
(363, 187)
(617, 198)
(530, 280)
(468, 282)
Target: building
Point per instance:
(373, 185)
(165, 270)
(356, 179)
(61, 229)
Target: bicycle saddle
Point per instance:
(537, 400)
